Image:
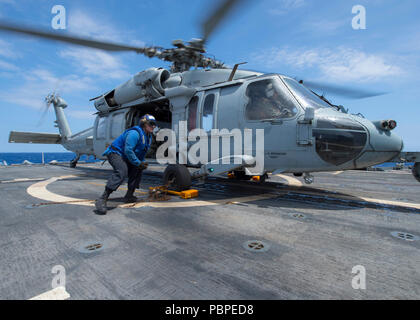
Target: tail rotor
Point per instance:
(48, 100)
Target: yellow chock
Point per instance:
(256, 178)
(186, 194)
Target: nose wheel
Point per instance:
(416, 171)
(308, 178)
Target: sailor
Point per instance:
(126, 156)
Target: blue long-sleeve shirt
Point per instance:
(132, 145)
(131, 142)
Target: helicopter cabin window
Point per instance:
(192, 113)
(207, 120)
(101, 129)
(267, 100)
(117, 124)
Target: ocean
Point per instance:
(36, 157)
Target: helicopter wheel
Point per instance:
(177, 176)
(73, 162)
(263, 178)
(240, 175)
(416, 171)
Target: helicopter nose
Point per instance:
(383, 145)
(385, 140)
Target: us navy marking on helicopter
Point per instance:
(303, 131)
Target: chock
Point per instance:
(186, 194)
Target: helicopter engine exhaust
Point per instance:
(148, 84)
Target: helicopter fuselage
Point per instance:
(328, 140)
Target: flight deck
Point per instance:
(281, 239)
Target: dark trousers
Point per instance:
(122, 170)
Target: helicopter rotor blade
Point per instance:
(85, 42)
(351, 93)
(44, 111)
(210, 24)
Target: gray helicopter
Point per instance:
(302, 131)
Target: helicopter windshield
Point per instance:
(305, 97)
(268, 100)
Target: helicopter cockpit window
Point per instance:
(192, 113)
(268, 100)
(208, 108)
(101, 129)
(304, 96)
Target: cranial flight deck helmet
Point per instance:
(149, 119)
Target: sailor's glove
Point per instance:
(143, 165)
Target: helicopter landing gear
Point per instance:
(416, 171)
(260, 179)
(177, 176)
(73, 162)
(309, 179)
(240, 175)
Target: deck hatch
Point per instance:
(256, 246)
(404, 236)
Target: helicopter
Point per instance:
(301, 131)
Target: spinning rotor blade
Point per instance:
(216, 18)
(108, 46)
(341, 91)
(44, 112)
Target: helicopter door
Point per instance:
(208, 116)
(270, 106)
(100, 135)
(117, 125)
(201, 114)
(193, 115)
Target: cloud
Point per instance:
(79, 114)
(284, 6)
(39, 82)
(6, 50)
(344, 64)
(96, 63)
(78, 22)
(91, 61)
(8, 66)
(324, 27)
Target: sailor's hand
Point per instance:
(143, 165)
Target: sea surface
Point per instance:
(36, 157)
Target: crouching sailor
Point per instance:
(126, 156)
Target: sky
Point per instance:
(307, 39)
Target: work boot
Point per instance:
(100, 203)
(130, 197)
